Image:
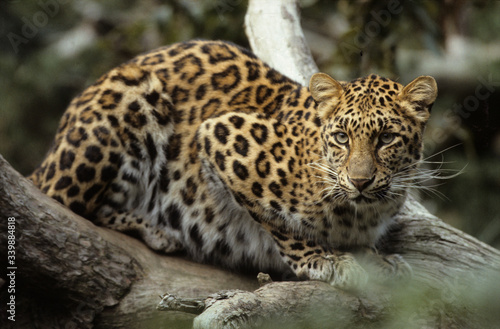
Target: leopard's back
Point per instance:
(125, 154)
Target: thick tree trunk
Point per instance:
(68, 273)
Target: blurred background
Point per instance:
(50, 50)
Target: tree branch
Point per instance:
(275, 35)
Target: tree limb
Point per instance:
(275, 35)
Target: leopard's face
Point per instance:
(372, 135)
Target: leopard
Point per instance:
(201, 148)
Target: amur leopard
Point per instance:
(201, 147)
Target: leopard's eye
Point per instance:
(341, 138)
(386, 138)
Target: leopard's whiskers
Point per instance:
(330, 180)
(414, 176)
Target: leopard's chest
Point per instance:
(346, 225)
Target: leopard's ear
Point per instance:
(326, 91)
(419, 96)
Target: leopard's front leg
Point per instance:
(255, 161)
(310, 260)
(385, 269)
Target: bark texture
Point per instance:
(275, 35)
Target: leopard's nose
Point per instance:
(361, 183)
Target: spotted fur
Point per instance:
(202, 147)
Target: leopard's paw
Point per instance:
(389, 269)
(399, 269)
(341, 271)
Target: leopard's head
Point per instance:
(371, 134)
